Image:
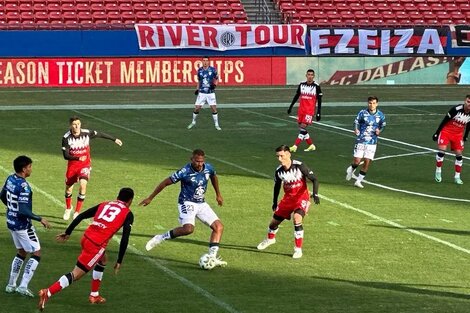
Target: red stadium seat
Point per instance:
(156, 16)
(198, 15)
(69, 16)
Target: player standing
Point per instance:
(293, 175)
(76, 150)
(453, 130)
(17, 195)
(207, 77)
(368, 125)
(310, 95)
(108, 218)
(194, 178)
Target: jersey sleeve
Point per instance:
(97, 134)
(66, 150)
(25, 202)
(308, 173)
(357, 120)
(178, 175)
(126, 232)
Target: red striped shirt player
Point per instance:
(453, 131)
(108, 218)
(310, 95)
(293, 175)
(76, 150)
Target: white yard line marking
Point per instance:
(156, 263)
(446, 220)
(400, 155)
(333, 223)
(344, 205)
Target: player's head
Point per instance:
(310, 75)
(467, 103)
(23, 165)
(126, 195)
(205, 61)
(372, 103)
(75, 125)
(283, 155)
(197, 159)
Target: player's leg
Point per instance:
(358, 154)
(439, 161)
(308, 140)
(211, 100)
(300, 136)
(197, 107)
(83, 183)
(458, 165)
(369, 153)
(187, 218)
(298, 233)
(282, 212)
(30, 243)
(17, 262)
(206, 215)
(71, 177)
(97, 277)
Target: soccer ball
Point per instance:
(207, 262)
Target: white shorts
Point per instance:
(26, 239)
(364, 151)
(203, 98)
(190, 210)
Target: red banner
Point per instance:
(176, 71)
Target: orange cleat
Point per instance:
(96, 300)
(43, 298)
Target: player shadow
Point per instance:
(402, 287)
(431, 229)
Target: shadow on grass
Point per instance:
(431, 229)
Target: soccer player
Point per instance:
(17, 195)
(194, 177)
(310, 95)
(368, 125)
(453, 130)
(76, 150)
(207, 77)
(293, 175)
(108, 218)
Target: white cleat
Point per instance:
(266, 243)
(67, 214)
(349, 173)
(358, 184)
(310, 148)
(75, 214)
(218, 127)
(297, 253)
(25, 292)
(156, 240)
(458, 181)
(10, 289)
(218, 262)
(191, 125)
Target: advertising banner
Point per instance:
(154, 71)
(378, 42)
(219, 37)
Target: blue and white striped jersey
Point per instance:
(19, 199)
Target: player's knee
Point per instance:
(188, 229)
(218, 227)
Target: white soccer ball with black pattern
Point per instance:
(207, 262)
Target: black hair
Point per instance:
(282, 148)
(21, 162)
(311, 70)
(372, 98)
(73, 119)
(198, 152)
(125, 194)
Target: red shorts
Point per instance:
(455, 140)
(287, 206)
(304, 118)
(74, 173)
(91, 253)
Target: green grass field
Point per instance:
(398, 245)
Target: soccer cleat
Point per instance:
(311, 148)
(191, 125)
(218, 262)
(218, 127)
(297, 253)
(156, 240)
(24, 292)
(266, 243)
(75, 214)
(67, 214)
(43, 298)
(358, 184)
(458, 181)
(438, 177)
(349, 173)
(293, 148)
(10, 289)
(96, 300)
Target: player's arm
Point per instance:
(166, 182)
(294, 100)
(319, 102)
(80, 217)
(198, 82)
(215, 80)
(3, 196)
(97, 134)
(126, 232)
(66, 151)
(381, 125)
(276, 191)
(357, 123)
(467, 130)
(311, 176)
(215, 184)
(452, 112)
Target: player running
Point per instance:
(76, 150)
(310, 95)
(453, 131)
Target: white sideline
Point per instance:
(344, 205)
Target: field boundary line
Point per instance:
(344, 205)
(138, 252)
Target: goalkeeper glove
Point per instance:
(316, 199)
(434, 137)
(196, 92)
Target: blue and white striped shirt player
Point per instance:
(367, 123)
(193, 183)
